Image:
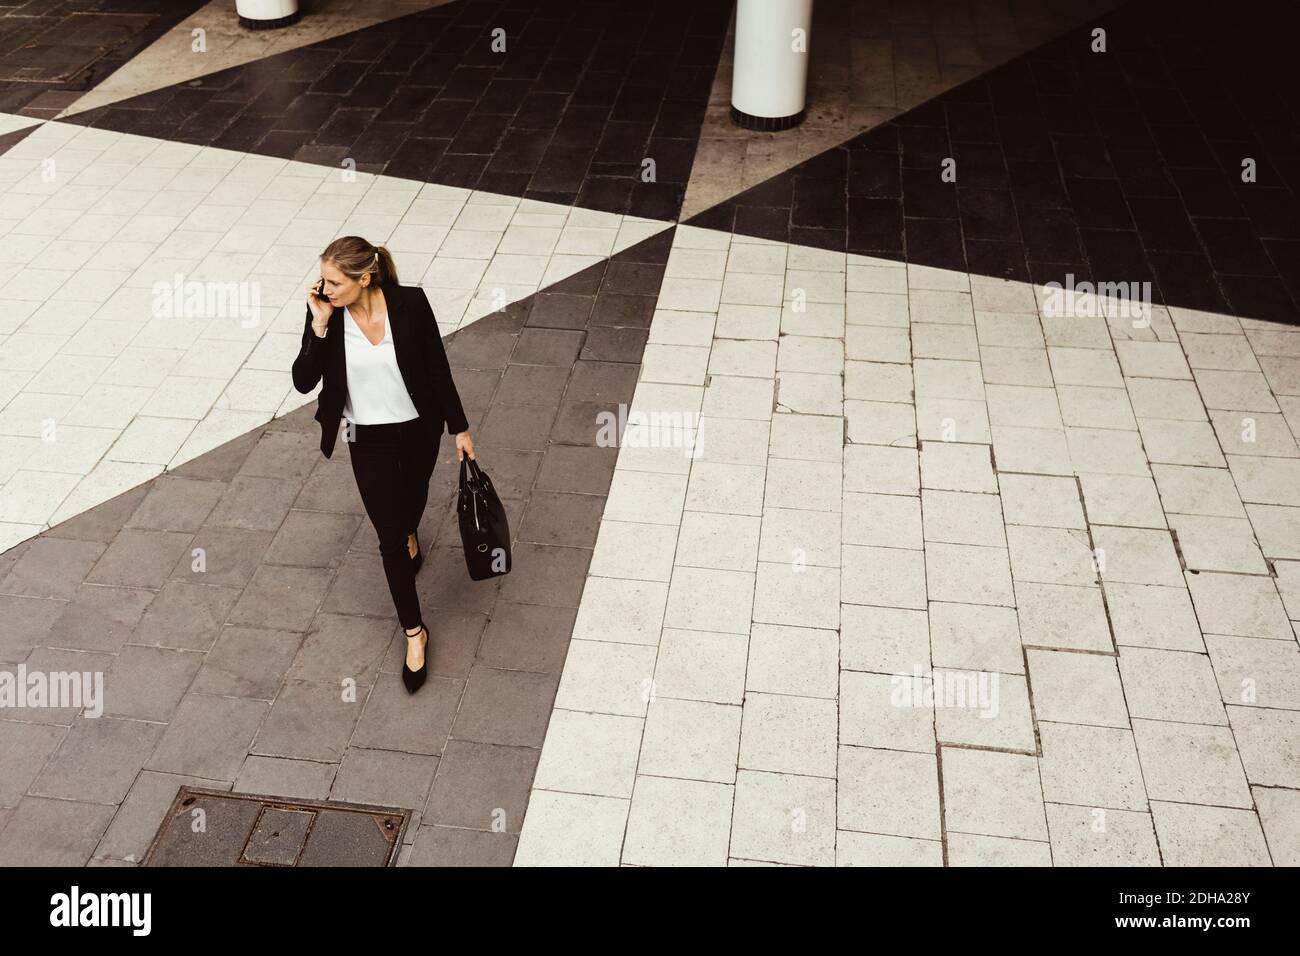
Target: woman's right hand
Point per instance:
(321, 310)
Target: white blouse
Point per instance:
(376, 393)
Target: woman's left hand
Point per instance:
(464, 446)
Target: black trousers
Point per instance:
(392, 465)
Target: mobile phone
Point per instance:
(320, 289)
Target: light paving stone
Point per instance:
(1150, 616)
(1041, 500)
(1096, 836)
(995, 794)
(806, 437)
(1050, 556)
(621, 611)
(1136, 556)
(886, 712)
(1032, 450)
(606, 678)
(884, 640)
(1165, 398)
(885, 521)
(1208, 836)
(877, 382)
(800, 661)
(957, 517)
(881, 470)
(887, 577)
(952, 419)
(722, 542)
(1015, 366)
(1062, 617)
(633, 551)
(874, 849)
(783, 818)
(971, 849)
(1077, 688)
(678, 823)
(793, 593)
(890, 792)
(710, 600)
(881, 423)
(689, 739)
(589, 753)
(1270, 481)
(1217, 544)
(967, 574)
(1180, 443)
(1170, 685)
(1191, 763)
(989, 710)
(1240, 605)
(571, 829)
(700, 665)
(1255, 672)
(1090, 766)
(1269, 744)
(1277, 529)
(793, 735)
(950, 466)
(1279, 815)
(720, 488)
(1108, 452)
(788, 535)
(975, 637)
(1186, 490)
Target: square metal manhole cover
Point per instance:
(216, 828)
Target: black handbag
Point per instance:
(484, 530)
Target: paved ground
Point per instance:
(946, 575)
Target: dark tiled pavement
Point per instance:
(51, 53)
(582, 93)
(238, 609)
(1123, 166)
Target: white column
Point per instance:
(769, 78)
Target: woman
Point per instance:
(376, 346)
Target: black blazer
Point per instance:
(421, 359)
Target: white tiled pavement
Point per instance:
(904, 468)
(99, 391)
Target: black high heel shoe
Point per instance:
(414, 680)
(418, 559)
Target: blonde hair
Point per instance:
(356, 257)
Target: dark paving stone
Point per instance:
(25, 748)
(53, 832)
(531, 384)
(57, 660)
(360, 587)
(147, 683)
(283, 454)
(454, 635)
(176, 504)
(394, 720)
(528, 637)
(385, 777)
(223, 462)
(333, 488)
(281, 598)
(27, 622)
(443, 583)
(453, 846)
(340, 647)
(247, 662)
(100, 618)
(253, 503)
(98, 760)
(222, 557)
(519, 427)
(312, 539)
(505, 707)
(184, 615)
(542, 574)
(310, 721)
(482, 786)
(558, 347)
(209, 737)
(140, 559)
(304, 779)
(558, 518)
(586, 471)
(52, 567)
